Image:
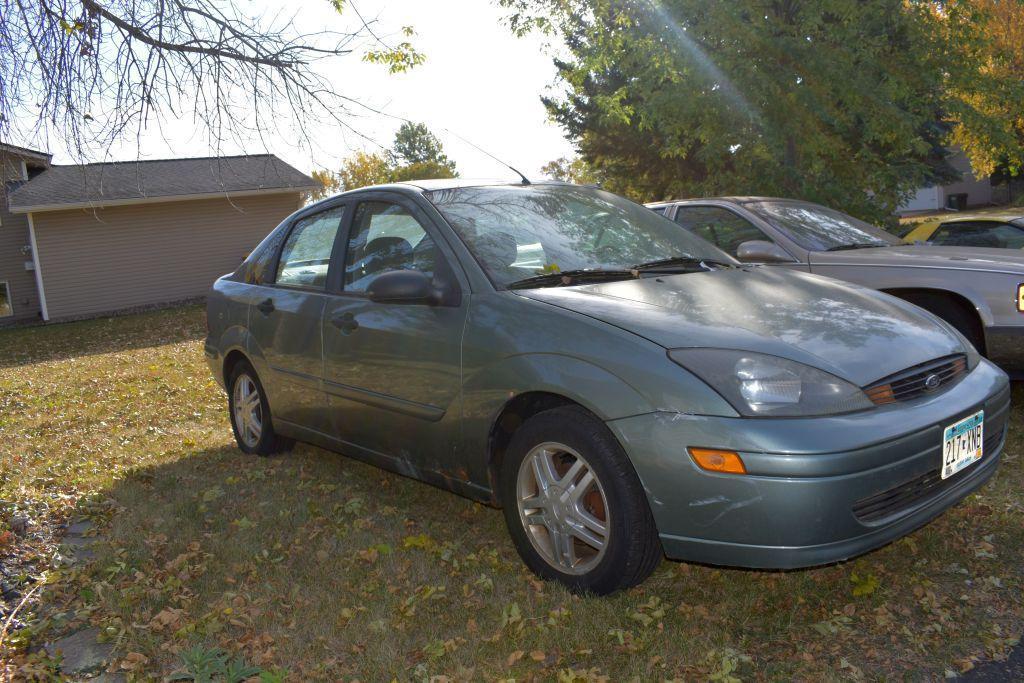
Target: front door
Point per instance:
(392, 372)
(285, 317)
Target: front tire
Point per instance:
(249, 410)
(574, 505)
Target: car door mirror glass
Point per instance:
(404, 287)
(762, 251)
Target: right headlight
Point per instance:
(759, 385)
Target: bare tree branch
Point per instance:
(96, 71)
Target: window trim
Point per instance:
(10, 299)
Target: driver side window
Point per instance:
(721, 227)
(386, 237)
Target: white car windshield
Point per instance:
(521, 231)
(817, 228)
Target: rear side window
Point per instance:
(306, 254)
(721, 227)
(979, 234)
(259, 266)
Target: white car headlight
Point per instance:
(759, 385)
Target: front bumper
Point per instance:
(1005, 348)
(812, 492)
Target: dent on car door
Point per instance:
(285, 320)
(392, 371)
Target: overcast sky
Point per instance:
(479, 81)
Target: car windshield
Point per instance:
(518, 232)
(817, 228)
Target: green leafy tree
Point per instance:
(422, 170)
(995, 142)
(328, 184)
(575, 170)
(362, 169)
(416, 155)
(846, 102)
(415, 144)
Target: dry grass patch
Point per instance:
(314, 566)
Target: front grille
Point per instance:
(919, 380)
(907, 495)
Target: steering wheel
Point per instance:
(606, 252)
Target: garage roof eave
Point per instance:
(160, 199)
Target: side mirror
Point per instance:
(762, 251)
(404, 287)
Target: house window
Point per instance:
(6, 306)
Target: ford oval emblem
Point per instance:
(932, 382)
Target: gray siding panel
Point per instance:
(97, 261)
(14, 238)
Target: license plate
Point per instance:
(961, 443)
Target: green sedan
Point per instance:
(621, 388)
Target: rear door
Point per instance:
(285, 319)
(392, 372)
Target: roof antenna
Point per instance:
(526, 181)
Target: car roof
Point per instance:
(430, 185)
(735, 199)
(995, 216)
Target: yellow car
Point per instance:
(997, 230)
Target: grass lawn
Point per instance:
(314, 566)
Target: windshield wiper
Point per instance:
(571, 277)
(858, 245)
(684, 263)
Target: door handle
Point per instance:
(266, 307)
(346, 322)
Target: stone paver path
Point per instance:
(80, 653)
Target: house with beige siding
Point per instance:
(84, 240)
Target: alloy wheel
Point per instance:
(563, 508)
(248, 410)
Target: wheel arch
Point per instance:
(237, 343)
(958, 299)
(512, 415)
(231, 359)
(525, 384)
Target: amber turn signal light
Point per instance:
(714, 460)
(1020, 297)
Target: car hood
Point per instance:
(853, 332)
(926, 255)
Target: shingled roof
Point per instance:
(131, 182)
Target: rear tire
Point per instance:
(953, 312)
(574, 505)
(250, 416)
